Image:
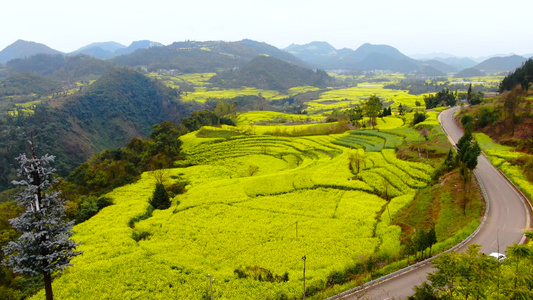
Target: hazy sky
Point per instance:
(463, 28)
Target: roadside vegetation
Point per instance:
(502, 127)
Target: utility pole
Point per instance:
(210, 285)
(304, 258)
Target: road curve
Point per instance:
(507, 217)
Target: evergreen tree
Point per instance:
(449, 163)
(432, 238)
(421, 241)
(45, 245)
(160, 198)
(468, 151)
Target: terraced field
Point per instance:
(252, 201)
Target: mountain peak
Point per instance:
(368, 48)
(317, 46)
(22, 48)
(501, 64)
(106, 46)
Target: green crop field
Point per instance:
(258, 117)
(193, 79)
(327, 100)
(347, 97)
(259, 196)
(201, 94)
(252, 201)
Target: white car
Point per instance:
(498, 256)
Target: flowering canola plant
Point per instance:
(251, 200)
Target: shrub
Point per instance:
(336, 277)
(144, 216)
(103, 202)
(176, 189)
(314, 288)
(88, 208)
(143, 235)
(419, 118)
(486, 117)
(260, 274)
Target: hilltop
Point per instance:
(367, 57)
(500, 64)
(22, 49)
(67, 68)
(107, 50)
(270, 73)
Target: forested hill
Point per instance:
(28, 83)
(521, 76)
(70, 68)
(269, 73)
(120, 105)
(123, 104)
(199, 57)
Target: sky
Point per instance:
(471, 28)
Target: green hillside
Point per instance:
(521, 76)
(202, 57)
(28, 84)
(269, 73)
(69, 69)
(121, 105)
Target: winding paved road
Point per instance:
(507, 218)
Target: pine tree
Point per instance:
(45, 245)
(160, 198)
(468, 152)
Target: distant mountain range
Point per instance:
(103, 50)
(107, 50)
(213, 56)
(370, 57)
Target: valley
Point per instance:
(273, 167)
